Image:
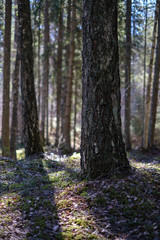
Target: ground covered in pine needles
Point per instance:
(47, 199)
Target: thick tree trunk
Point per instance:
(154, 100)
(127, 77)
(102, 146)
(148, 91)
(59, 75)
(45, 72)
(6, 80)
(30, 118)
(67, 116)
(15, 90)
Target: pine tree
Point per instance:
(6, 80)
(30, 119)
(154, 99)
(102, 147)
(128, 76)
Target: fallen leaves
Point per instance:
(46, 199)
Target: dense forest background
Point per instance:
(57, 45)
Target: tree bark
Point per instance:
(127, 119)
(75, 111)
(154, 100)
(67, 115)
(102, 146)
(148, 91)
(144, 77)
(15, 90)
(6, 80)
(39, 64)
(67, 54)
(59, 75)
(30, 119)
(45, 72)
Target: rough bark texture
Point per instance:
(45, 72)
(6, 80)
(154, 100)
(59, 75)
(15, 91)
(67, 116)
(148, 91)
(127, 118)
(30, 119)
(102, 146)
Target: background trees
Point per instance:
(58, 59)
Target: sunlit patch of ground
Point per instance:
(47, 199)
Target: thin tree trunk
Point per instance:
(102, 146)
(45, 73)
(127, 77)
(75, 110)
(59, 75)
(39, 65)
(64, 80)
(154, 100)
(30, 117)
(15, 90)
(144, 78)
(6, 80)
(67, 117)
(148, 91)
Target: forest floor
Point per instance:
(47, 199)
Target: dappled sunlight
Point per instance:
(109, 208)
(20, 153)
(147, 166)
(27, 204)
(48, 197)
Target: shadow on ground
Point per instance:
(45, 199)
(27, 203)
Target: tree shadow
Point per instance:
(27, 191)
(114, 208)
(128, 208)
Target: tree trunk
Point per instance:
(154, 100)
(75, 110)
(67, 116)
(39, 64)
(148, 92)
(102, 146)
(144, 77)
(127, 77)
(45, 71)
(67, 54)
(6, 80)
(59, 75)
(15, 90)
(30, 118)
